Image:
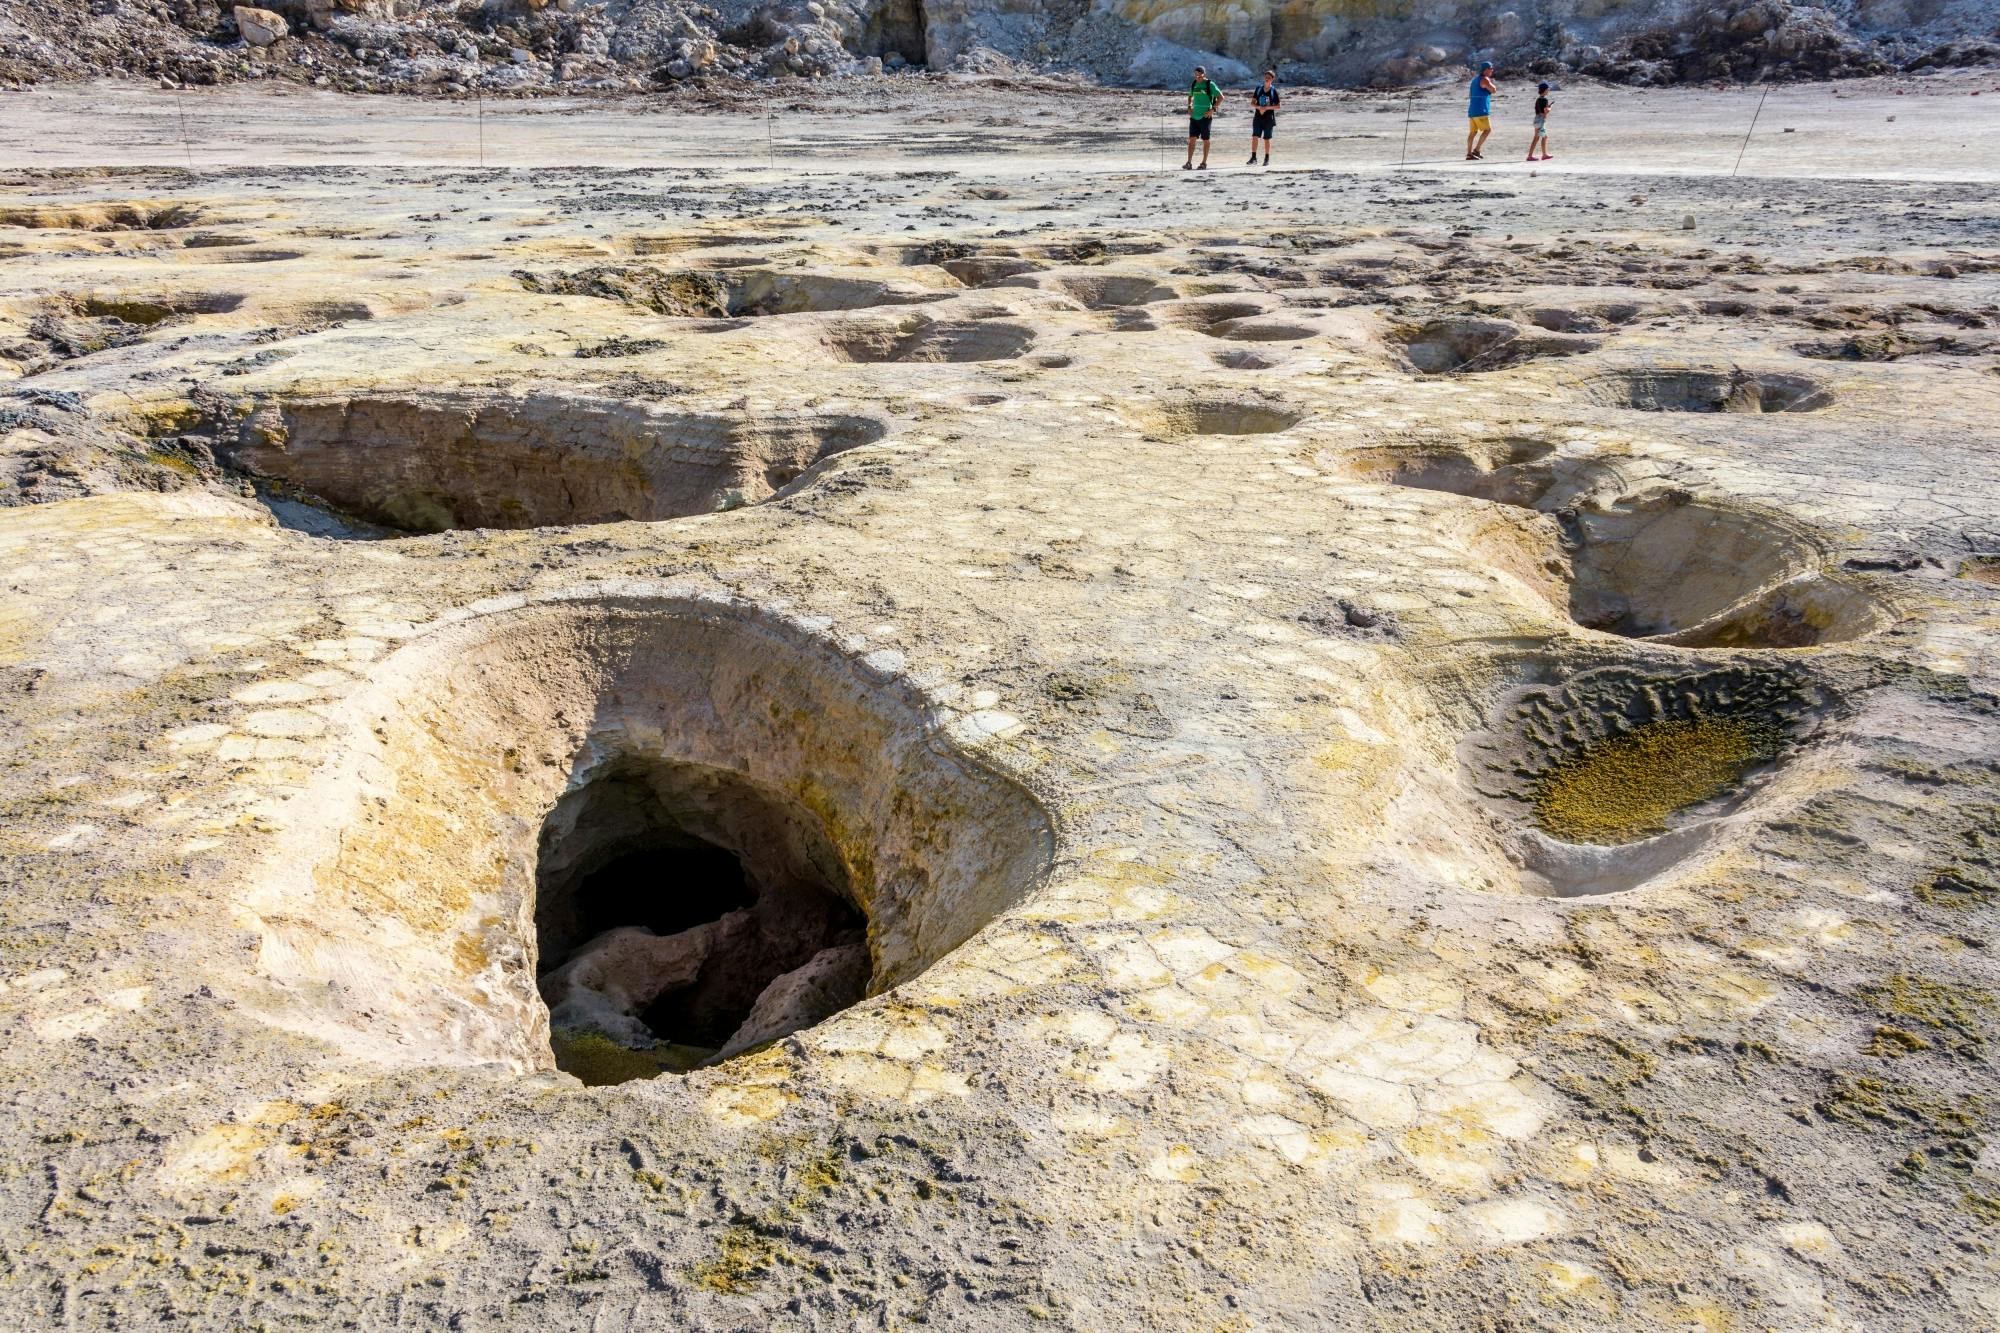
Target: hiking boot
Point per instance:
(1187, 166)
(1253, 159)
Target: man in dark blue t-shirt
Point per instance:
(1264, 115)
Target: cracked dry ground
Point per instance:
(1426, 762)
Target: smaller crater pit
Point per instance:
(1210, 317)
(429, 461)
(1111, 291)
(923, 340)
(1732, 390)
(1216, 416)
(1472, 346)
(722, 292)
(989, 270)
(138, 216)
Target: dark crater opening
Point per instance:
(685, 915)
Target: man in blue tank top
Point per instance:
(1480, 111)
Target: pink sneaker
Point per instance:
(1546, 157)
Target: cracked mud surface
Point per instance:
(1277, 834)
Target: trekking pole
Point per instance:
(1752, 130)
(1409, 110)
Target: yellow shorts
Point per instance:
(1481, 123)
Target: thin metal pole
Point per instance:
(180, 105)
(770, 143)
(1752, 130)
(1409, 110)
(479, 101)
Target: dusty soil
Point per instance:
(1408, 747)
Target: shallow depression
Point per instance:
(1472, 345)
(921, 339)
(1217, 416)
(1732, 390)
(428, 461)
(1649, 560)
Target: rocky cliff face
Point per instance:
(532, 45)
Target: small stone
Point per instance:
(1687, 222)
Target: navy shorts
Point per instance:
(1198, 126)
(1262, 124)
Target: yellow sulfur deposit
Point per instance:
(1626, 787)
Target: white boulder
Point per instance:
(260, 27)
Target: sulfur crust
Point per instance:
(1626, 787)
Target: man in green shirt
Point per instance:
(1203, 98)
